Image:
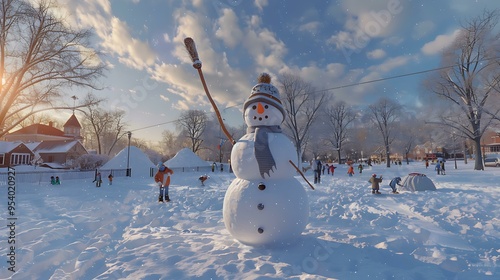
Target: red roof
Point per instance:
(39, 129)
(72, 121)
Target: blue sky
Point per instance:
(327, 43)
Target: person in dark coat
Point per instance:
(98, 179)
(317, 168)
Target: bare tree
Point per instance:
(302, 105)
(385, 114)
(169, 143)
(194, 123)
(39, 55)
(340, 117)
(105, 127)
(472, 81)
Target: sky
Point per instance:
(330, 44)
(120, 231)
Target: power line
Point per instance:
(348, 85)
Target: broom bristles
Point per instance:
(191, 49)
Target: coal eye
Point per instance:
(254, 107)
(267, 106)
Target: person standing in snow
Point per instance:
(375, 183)
(317, 170)
(360, 168)
(110, 178)
(98, 179)
(442, 167)
(438, 168)
(395, 181)
(162, 178)
(350, 170)
(332, 169)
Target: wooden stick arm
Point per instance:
(301, 174)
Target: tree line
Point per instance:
(41, 55)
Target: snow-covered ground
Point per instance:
(78, 231)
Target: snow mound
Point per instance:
(417, 182)
(138, 162)
(186, 158)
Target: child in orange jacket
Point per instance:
(162, 178)
(350, 170)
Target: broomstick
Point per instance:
(191, 48)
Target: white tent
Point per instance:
(185, 158)
(416, 182)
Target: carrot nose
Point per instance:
(260, 108)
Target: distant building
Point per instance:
(14, 153)
(52, 147)
(42, 132)
(59, 154)
(491, 142)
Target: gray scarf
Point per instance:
(263, 155)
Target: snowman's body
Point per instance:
(264, 206)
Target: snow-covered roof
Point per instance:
(55, 146)
(6, 147)
(186, 158)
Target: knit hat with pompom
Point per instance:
(265, 92)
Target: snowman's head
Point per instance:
(262, 113)
(264, 107)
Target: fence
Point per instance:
(201, 169)
(36, 176)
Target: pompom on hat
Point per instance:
(265, 92)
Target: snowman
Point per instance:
(265, 204)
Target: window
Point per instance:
(18, 158)
(2, 159)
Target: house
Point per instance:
(49, 145)
(491, 142)
(14, 153)
(41, 132)
(59, 153)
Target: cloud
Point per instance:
(164, 98)
(229, 30)
(311, 27)
(113, 32)
(376, 54)
(166, 38)
(422, 28)
(131, 52)
(260, 4)
(440, 43)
